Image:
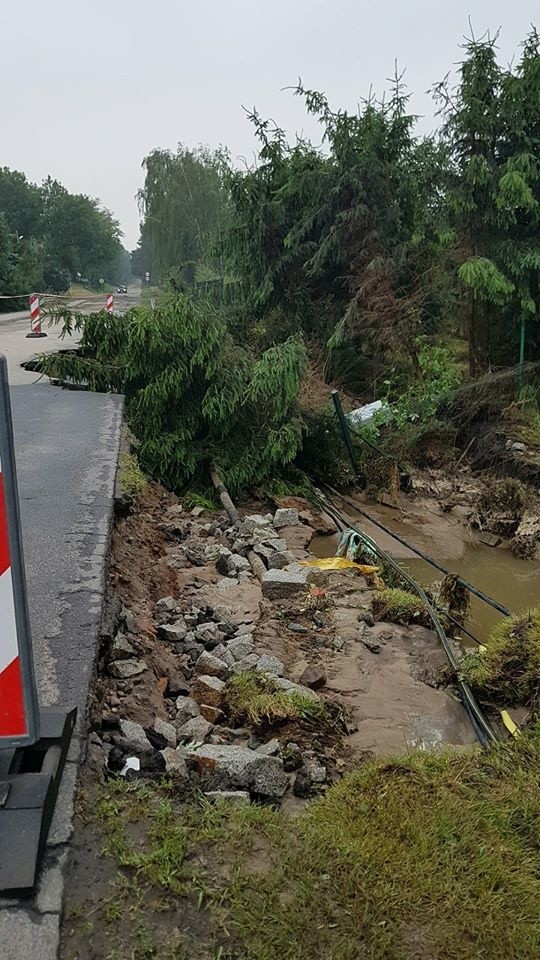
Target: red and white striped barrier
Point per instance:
(18, 697)
(35, 317)
(109, 303)
(12, 718)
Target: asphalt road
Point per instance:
(66, 445)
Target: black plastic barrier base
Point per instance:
(28, 792)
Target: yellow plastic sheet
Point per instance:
(509, 724)
(338, 563)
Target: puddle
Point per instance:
(513, 582)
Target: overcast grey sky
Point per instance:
(88, 89)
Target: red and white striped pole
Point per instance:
(12, 713)
(35, 317)
(19, 710)
(109, 302)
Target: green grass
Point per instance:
(427, 856)
(256, 699)
(192, 499)
(507, 671)
(133, 482)
(398, 606)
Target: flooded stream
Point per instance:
(514, 583)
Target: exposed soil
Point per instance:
(387, 703)
(383, 682)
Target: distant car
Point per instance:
(122, 289)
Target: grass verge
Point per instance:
(428, 856)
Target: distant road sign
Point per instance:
(147, 277)
(18, 696)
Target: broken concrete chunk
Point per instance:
(314, 677)
(165, 605)
(284, 684)
(231, 796)
(286, 517)
(130, 622)
(177, 687)
(222, 561)
(121, 648)
(227, 583)
(212, 714)
(166, 730)
(173, 632)
(237, 563)
(269, 664)
(124, 669)
(208, 689)
(253, 522)
(223, 653)
(280, 559)
(317, 773)
(281, 584)
(263, 551)
(240, 647)
(211, 666)
(175, 763)
(246, 663)
(196, 729)
(134, 736)
(187, 708)
(228, 766)
(269, 749)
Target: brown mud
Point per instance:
(449, 538)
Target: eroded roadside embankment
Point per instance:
(246, 697)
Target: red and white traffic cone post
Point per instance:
(12, 712)
(35, 318)
(109, 303)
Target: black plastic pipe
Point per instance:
(423, 556)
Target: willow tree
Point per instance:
(183, 203)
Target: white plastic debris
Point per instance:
(365, 414)
(132, 763)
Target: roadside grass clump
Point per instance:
(399, 606)
(256, 699)
(133, 482)
(507, 671)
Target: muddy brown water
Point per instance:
(513, 582)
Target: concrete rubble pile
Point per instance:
(194, 743)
